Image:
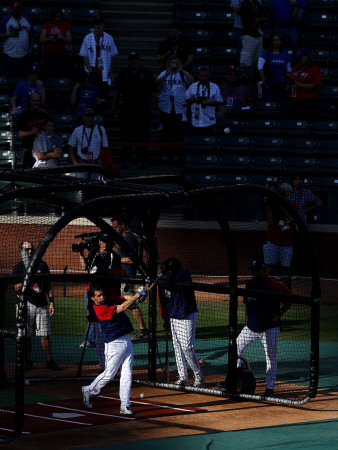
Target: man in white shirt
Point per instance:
(203, 97)
(98, 50)
(86, 143)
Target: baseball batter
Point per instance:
(116, 327)
(262, 320)
(182, 310)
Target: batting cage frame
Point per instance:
(199, 226)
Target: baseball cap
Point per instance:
(33, 69)
(17, 6)
(302, 52)
(104, 237)
(89, 112)
(257, 264)
(232, 68)
(99, 19)
(133, 55)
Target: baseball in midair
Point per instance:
(141, 395)
(226, 130)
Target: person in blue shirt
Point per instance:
(263, 320)
(24, 89)
(182, 311)
(280, 21)
(273, 66)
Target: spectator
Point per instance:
(254, 21)
(137, 87)
(17, 30)
(280, 21)
(279, 235)
(48, 147)
(273, 66)
(54, 37)
(98, 50)
(38, 312)
(203, 96)
(238, 26)
(304, 83)
(173, 83)
(263, 320)
(84, 95)
(236, 96)
(24, 89)
(86, 144)
(121, 226)
(31, 123)
(176, 45)
(305, 199)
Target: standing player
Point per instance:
(182, 310)
(116, 327)
(262, 320)
(38, 312)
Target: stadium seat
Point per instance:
(320, 56)
(267, 144)
(202, 178)
(323, 5)
(232, 178)
(327, 128)
(265, 179)
(5, 121)
(187, 4)
(196, 36)
(233, 144)
(46, 13)
(321, 21)
(299, 146)
(201, 55)
(225, 55)
(327, 147)
(195, 18)
(201, 144)
(222, 37)
(206, 162)
(318, 39)
(305, 164)
(236, 126)
(327, 166)
(84, 14)
(265, 109)
(327, 110)
(328, 92)
(238, 163)
(218, 71)
(266, 165)
(293, 127)
(220, 19)
(257, 127)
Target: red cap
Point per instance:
(232, 69)
(17, 6)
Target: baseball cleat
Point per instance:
(199, 381)
(125, 410)
(86, 398)
(268, 393)
(181, 382)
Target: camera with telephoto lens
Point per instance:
(90, 241)
(201, 98)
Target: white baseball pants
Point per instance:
(118, 353)
(269, 340)
(183, 335)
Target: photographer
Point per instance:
(87, 144)
(102, 260)
(203, 96)
(172, 105)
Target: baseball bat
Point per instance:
(155, 282)
(79, 369)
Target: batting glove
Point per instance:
(143, 295)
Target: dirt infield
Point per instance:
(215, 415)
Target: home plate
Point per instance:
(67, 415)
